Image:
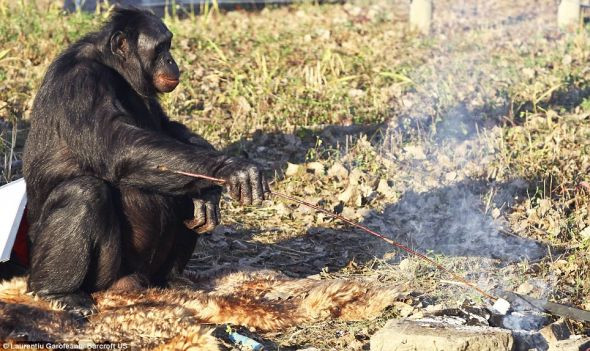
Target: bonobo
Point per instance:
(102, 213)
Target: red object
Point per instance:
(20, 250)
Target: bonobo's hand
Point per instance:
(244, 180)
(206, 213)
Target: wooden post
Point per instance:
(421, 15)
(568, 14)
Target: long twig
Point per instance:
(354, 224)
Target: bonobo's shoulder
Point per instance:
(74, 74)
(70, 66)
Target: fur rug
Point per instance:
(173, 318)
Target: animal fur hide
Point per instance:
(173, 318)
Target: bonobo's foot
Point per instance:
(78, 302)
(179, 282)
(130, 283)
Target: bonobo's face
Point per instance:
(146, 61)
(154, 47)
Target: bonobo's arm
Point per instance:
(206, 215)
(180, 132)
(107, 142)
(138, 153)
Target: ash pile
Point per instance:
(521, 324)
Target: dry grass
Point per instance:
(385, 126)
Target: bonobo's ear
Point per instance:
(119, 45)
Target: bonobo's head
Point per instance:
(138, 47)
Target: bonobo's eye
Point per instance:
(162, 47)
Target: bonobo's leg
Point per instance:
(206, 217)
(76, 248)
(181, 252)
(153, 224)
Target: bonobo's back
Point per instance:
(47, 159)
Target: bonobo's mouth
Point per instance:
(170, 80)
(165, 84)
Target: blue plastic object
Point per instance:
(243, 340)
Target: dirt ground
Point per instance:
(470, 145)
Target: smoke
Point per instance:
(446, 133)
(449, 220)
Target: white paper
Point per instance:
(13, 199)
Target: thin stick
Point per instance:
(194, 175)
(354, 224)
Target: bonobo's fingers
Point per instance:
(246, 188)
(244, 180)
(234, 188)
(212, 220)
(257, 180)
(265, 187)
(218, 214)
(199, 215)
(206, 211)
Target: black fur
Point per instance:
(101, 212)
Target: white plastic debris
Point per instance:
(13, 199)
(501, 306)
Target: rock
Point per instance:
(496, 213)
(430, 335)
(574, 343)
(525, 288)
(351, 195)
(556, 331)
(384, 189)
(528, 340)
(356, 93)
(451, 176)
(318, 168)
(338, 171)
(526, 320)
(403, 308)
(242, 106)
(356, 175)
(407, 266)
(282, 209)
(501, 306)
(415, 151)
(292, 169)
(349, 212)
(347, 194)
